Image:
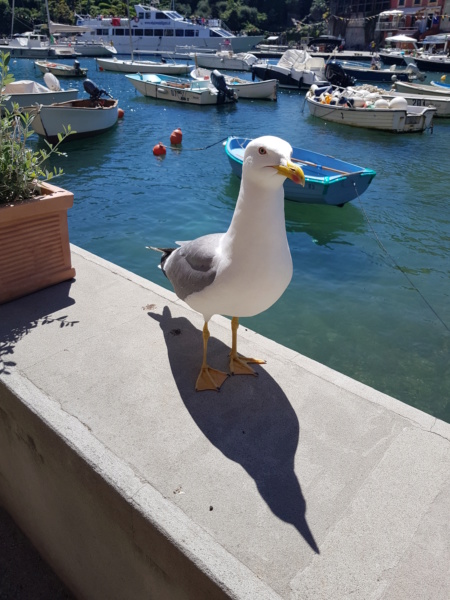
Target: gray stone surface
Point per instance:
(299, 484)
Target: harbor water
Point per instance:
(370, 295)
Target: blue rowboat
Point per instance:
(328, 180)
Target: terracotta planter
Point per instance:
(34, 243)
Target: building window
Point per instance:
(401, 3)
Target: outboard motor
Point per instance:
(94, 92)
(76, 66)
(218, 81)
(336, 75)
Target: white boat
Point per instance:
(225, 60)
(90, 49)
(60, 69)
(157, 29)
(370, 93)
(251, 90)
(340, 106)
(142, 66)
(26, 93)
(177, 89)
(33, 45)
(421, 89)
(87, 117)
(296, 69)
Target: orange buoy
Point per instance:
(121, 113)
(176, 136)
(159, 149)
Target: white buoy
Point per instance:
(398, 103)
(52, 82)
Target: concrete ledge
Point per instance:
(301, 483)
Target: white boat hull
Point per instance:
(250, 90)
(142, 66)
(442, 105)
(85, 117)
(414, 119)
(59, 70)
(421, 89)
(197, 92)
(225, 61)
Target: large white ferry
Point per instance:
(162, 30)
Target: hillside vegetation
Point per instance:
(293, 17)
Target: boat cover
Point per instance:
(25, 86)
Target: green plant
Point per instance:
(21, 169)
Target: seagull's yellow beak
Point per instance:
(292, 171)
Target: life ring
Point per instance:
(136, 19)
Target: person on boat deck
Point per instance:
(374, 63)
(372, 46)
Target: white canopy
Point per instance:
(400, 38)
(63, 28)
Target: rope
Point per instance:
(178, 148)
(397, 266)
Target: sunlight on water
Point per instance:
(370, 296)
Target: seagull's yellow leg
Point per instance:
(239, 364)
(209, 379)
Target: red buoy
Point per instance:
(176, 136)
(121, 113)
(159, 149)
(100, 68)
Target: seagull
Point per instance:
(242, 272)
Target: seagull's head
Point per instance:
(267, 160)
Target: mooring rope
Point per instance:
(397, 266)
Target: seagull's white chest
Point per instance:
(254, 266)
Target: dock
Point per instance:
(298, 484)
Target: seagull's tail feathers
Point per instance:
(166, 252)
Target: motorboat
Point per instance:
(34, 45)
(376, 73)
(421, 89)
(86, 117)
(61, 69)
(143, 66)
(296, 69)
(370, 93)
(225, 60)
(328, 180)
(187, 91)
(337, 105)
(441, 84)
(26, 93)
(157, 29)
(251, 90)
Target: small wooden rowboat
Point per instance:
(328, 180)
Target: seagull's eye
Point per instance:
(262, 150)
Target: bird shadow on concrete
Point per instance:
(250, 420)
(20, 317)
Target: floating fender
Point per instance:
(159, 149)
(121, 113)
(51, 82)
(398, 102)
(176, 137)
(381, 103)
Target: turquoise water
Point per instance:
(370, 296)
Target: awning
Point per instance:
(400, 38)
(62, 28)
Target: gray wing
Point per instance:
(192, 267)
